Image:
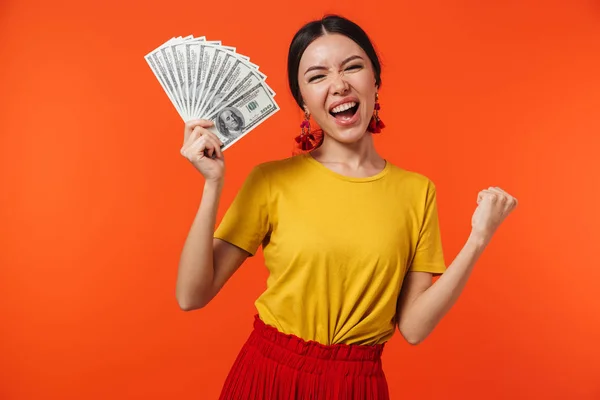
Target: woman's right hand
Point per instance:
(203, 149)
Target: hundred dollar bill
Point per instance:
(192, 61)
(155, 61)
(185, 63)
(205, 55)
(162, 58)
(234, 69)
(168, 61)
(215, 82)
(239, 86)
(169, 64)
(242, 114)
(178, 54)
(202, 54)
(240, 77)
(165, 85)
(205, 79)
(215, 64)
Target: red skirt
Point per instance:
(276, 366)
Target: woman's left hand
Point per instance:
(494, 205)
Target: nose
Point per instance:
(339, 85)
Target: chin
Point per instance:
(348, 135)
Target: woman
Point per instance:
(351, 241)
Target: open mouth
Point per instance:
(344, 112)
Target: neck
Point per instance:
(351, 154)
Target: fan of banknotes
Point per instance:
(207, 80)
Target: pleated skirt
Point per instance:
(276, 366)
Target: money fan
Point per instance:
(207, 80)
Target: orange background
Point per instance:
(96, 200)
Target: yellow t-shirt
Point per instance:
(337, 248)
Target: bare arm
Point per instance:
(421, 304)
(205, 263)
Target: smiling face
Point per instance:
(337, 84)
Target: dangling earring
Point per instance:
(376, 124)
(306, 139)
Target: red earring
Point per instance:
(376, 124)
(306, 140)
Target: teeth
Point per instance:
(343, 107)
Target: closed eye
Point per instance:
(354, 67)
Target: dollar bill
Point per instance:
(167, 59)
(243, 114)
(178, 54)
(216, 81)
(183, 63)
(165, 85)
(205, 79)
(205, 55)
(240, 76)
(192, 50)
(191, 58)
(159, 69)
(239, 87)
(183, 70)
(162, 61)
(185, 57)
(216, 62)
(233, 70)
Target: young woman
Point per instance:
(351, 241)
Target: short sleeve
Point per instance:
(245, 224)
(429, 255)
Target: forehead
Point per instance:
(330, 50)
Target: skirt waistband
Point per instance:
(272, 365)
(296, 345)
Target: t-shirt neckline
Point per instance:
(310, 159)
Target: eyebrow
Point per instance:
(346, 61)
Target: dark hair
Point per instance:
(315, 29)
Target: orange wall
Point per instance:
(96, 199)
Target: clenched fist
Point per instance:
(494, 205)
(203, 149)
